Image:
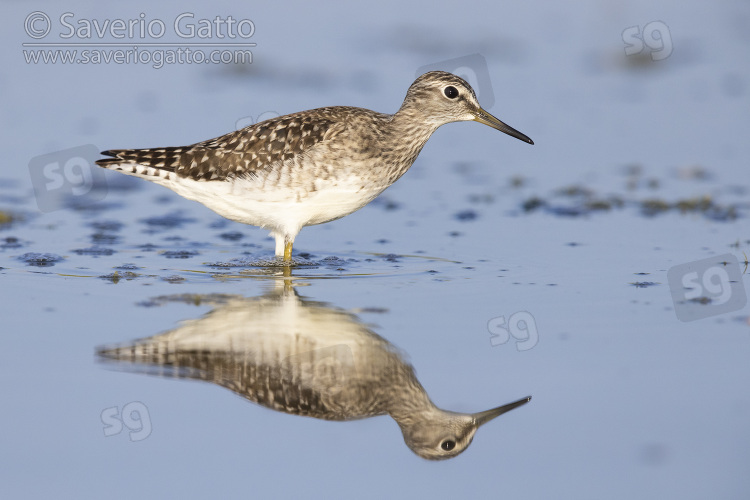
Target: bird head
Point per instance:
(439, 97)
(442, 434)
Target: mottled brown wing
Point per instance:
(242, 152)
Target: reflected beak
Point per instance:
(485, 416)
(482, 116)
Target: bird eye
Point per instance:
(448, 445)
(451, 93)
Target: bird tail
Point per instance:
(146, 163)
(152, 358)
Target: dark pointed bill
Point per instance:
(484, 117)
(485, 416)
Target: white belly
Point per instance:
(279, 210)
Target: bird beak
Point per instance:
(483, 417)
(484, 117)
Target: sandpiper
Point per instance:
(302, 357)
(308, 167)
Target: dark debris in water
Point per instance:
(104, 239)
(333, 262)
(40, 259)
(385, 203)
(532, 204)
(643, 284)
(578, 201)
(303, 259)
(466, 215)
(95, 251)
(187, 298)
(371, 310)
(168, 221)
(694, 172)
(567, 211)
(278, 263)
(128, 267)
(149, 303)
(738, 243)
(180, 254)
(107, 225)
(517, 181)
(236, 262)
(7, 218)
(482, 198)
(116, 276)
(232, 236)
(702, 205)
(163, 199)
(575, 192)
(10, 242)
(87, 205)
(173, 279)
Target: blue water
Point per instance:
(628, 401)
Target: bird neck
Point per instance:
(411, 123)
(409, 404)
(406, 134)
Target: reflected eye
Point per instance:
(448, 445)
(451, 93)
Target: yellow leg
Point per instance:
(287, 251)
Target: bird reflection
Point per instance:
(304, 358)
